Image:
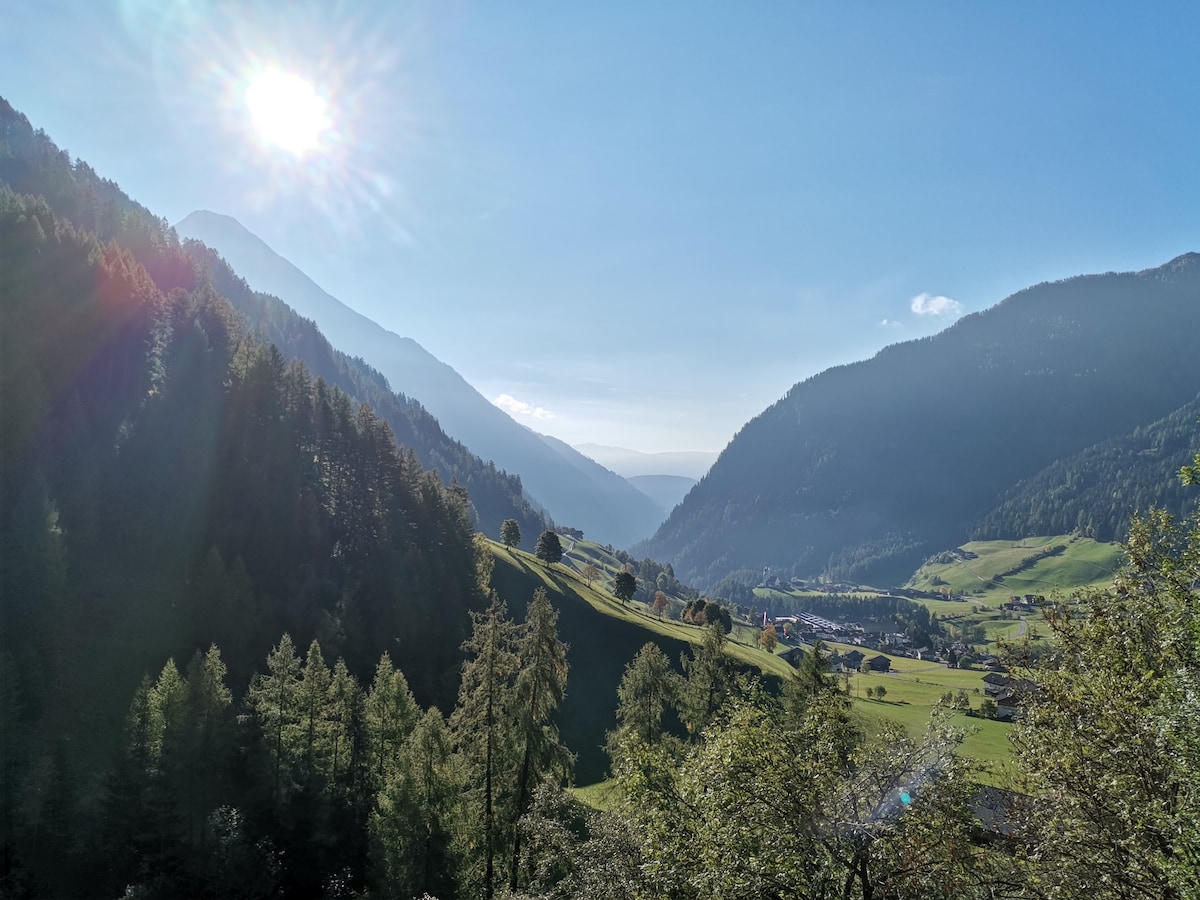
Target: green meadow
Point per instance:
(1000, 569)
(604, 634)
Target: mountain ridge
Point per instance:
(861, 469)
(606, 507)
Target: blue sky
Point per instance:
(643, 222)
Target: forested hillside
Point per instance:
(1096, 491)
(171, 482)
(574, 489)
(864, 469)
(30, 163)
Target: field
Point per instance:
(604, 635)
(999, 569)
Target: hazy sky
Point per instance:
(643, 222)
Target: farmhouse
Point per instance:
(995, 682)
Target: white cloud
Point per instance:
(891, 323)
(515, 407)
(931, 305)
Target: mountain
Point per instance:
(665, 490)
(636, 510)
(631, 463)
(863, 470)
(1095, 491)
(604, 507)
(171, 482)
(495, 495)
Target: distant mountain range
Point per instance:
(665, 490)
(575, 490)
(864, 469)
(630, 463)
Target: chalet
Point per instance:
(995, 682)
(879, 663)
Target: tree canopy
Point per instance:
(549, 548)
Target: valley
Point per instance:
(290, 608)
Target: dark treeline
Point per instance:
(149, 438)
(170, 482)
(1094, 492)
(311, 783)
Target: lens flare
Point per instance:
(287, 111)
(313, 105)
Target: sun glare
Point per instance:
(287, 112)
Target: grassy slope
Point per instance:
(600, 646)
(1083, 562)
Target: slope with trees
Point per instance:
(865, 469)
(30, 163)
(572, 487)
(1094, 492)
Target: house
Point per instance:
(793, 657)
(879, 663)
(995, 682)
(1010, 698)
(852, 659)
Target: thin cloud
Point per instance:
(515, 407)
(891, 323)
(935, 305)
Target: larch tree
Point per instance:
(413, 823)
(483, 736)
(274, 698)
(539, 690)
(708, 681)
(391, 714)
(647, 689)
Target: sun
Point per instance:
(286, 111)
